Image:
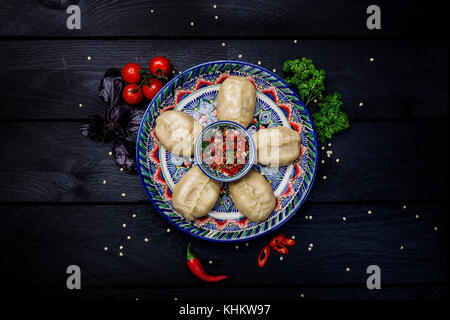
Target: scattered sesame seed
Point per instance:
(152, 11)
(179, 72)
(129, 237)
(104, 181)
(311, 245)
(246, 244)
(173, 71)
(371, 59)
(192, 23)
(302, 295)
(240, 55)
(322, 161)
(237, 247)
(322, 148)
(281, 258)
(361, 104)
(344, 218)
(259, 62)
(216, 17)
(168, 230)
(315, 100)
(210, 261)
(306, 217)
(106, 248)
(137, 299)
(293, 237)
(120, 254)
(123, 194)
(310, 217)
(435, 228)
(110, 153)
(417, 216)
(121, 169)
(295, 41)
(337, 160)
(324, 177)
(89, 58)
(369, 212)
(146, 239)
(309, 248)
(330, 144)
(124, 225)
(223, 44)
(404, 207)
(347, 269)
(215, 6)
(274, 70)
(80, 105)
(175, 299)
(134, 215)
(121, 247)
(401, 247)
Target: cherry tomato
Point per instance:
(160, 66)
(151, 87)
(132, 94)
(130, 73)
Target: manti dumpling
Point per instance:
(177, 132)
(236, 100)
(276, 147)
(195, 194)
(253, 196)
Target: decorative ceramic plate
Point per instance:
(194, 92)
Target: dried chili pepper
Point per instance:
(263, 256)
(196, 268)
(280, 249)
(288, 242)
(276, 240)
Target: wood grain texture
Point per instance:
(386, 161)
(49, 79)
(243, 18)
(50, 238)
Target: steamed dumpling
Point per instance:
(177, 132)
(195, 194)
(236, 100)
(276, 147)
(253, 196)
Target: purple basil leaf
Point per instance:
(111, 86)
(93, 128)
(125, 154)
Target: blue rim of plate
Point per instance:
(153, 109)
(251, 148)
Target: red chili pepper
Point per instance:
(196, 268)
(280, 248)
(263, 259)
(288, 242)
(276, 240)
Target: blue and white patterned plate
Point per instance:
(195, 92)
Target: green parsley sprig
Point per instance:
(309, 81)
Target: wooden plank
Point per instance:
(244, 18)
(41, 241)
(49, 79)
(393, 161)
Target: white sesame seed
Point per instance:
(168, 230)
(215, 6)
(80, 105)
(134, 215)
(192, 23)
(240, 56)
(281, 258)
(210, 261)
(417, 216)
(311, 245)
(259, 62)
(322, 148)
(121, 247)
(371, 59)
(110, 153)
(175, 299)
(435, 228)
(309, 248)
(223, 44)
(347, 269)
(120, 254)
(246, 244)
(137, 299)
(216, 17)
(369, 212)
(337, 160)
(324, 177)
(121, 169)
(129, 237)
(123, 194)
(302, 295)
(330, 144)
(104, 181)
(404, 207)
(344, 218)
(146, 239)
(124, 225)
(401, 247)
(310, 217)
(237, 247)
(106, 248)
(315, 100)
(295, 41)
(293, 237)
(89, 58)
(152, 11)
(274, 70)
(322, 161)
(361, 104)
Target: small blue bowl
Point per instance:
(206, 133)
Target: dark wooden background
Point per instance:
(55, 210)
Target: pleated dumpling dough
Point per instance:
(195, 194)
(253, 196)
(236, 100)
(177, 132)
(276, 147)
